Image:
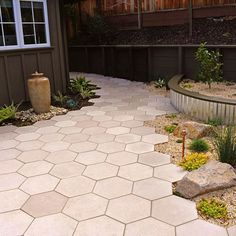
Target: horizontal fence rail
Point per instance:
(146, 62)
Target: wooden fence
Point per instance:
(116, 7)
(145, 63)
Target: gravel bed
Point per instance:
(222, 89)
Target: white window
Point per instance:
(23, 24)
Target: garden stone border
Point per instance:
(201, 106)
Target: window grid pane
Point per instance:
(7, 24)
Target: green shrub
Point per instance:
(187, 85)
(8, 112)
(171, 116)
(225, 144)
(212, 208)
(82, 87)
(170, 128)
(160, 83)
(210, 66)
(199, 145)
(215, 122)
(60, 98)
(194, 161)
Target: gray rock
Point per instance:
(194, 130)
(211, 177)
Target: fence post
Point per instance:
(113, 62)
(86, 60)
(149, 63)
(103, 61)
(190, 18)
(131, 65)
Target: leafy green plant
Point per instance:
(212, 208)
(194, 161)
(210, 65)
(60, 98)
(215, 122)
(187, 85)
(8, 112)
(179, 141)
(171, 116)
(170, 128)
(225, 144)
(82, 87)
(199, 145)
(160, 83)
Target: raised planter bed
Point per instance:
(200, 106)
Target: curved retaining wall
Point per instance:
(200, 106)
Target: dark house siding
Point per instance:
(17, 65)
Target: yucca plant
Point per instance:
(225, 144)
(60, 98)
(8, 112)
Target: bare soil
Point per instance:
(221, 89)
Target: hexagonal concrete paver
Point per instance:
(93, 130)
(100, 226)
(44, 204)
(62, 225)
(232, 230)
(169, 172)
(67, 170)
(27, 137)
(102, 118)
(76, 138)
(83, 147)
(174, 210)
(122, 158)
(111, 147)
(199, 228)
(25, 129)
(75, 186)
(9, 154)
(85, 207)
(152, 188)
(39, 184)
(118, 130)
(106, 187)
(144, 130)
(129, 208)
(139, 147)
(102, 138)
(10, 166)
(109, 124)
(132, 123)
(61, 156)
(35, 168)
(55, 146)
(31, 156)
(30, 145)
(65, 123)
(135, 172)
(10, 181)
(154, 159)
(150, 227)
(101, 171)
(155, 138)
(14, 223)
(123, 118)
(70, 130)
(128, 138)
(12, 200)
(92, 157)
(86, 124)
(6, 144)
(47, 138)
(47, 130)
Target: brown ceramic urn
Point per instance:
(39, 92)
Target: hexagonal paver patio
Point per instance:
(94, 172)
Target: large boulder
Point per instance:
(194, 130)
(211, 177)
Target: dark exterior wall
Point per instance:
(145, 63)
(17, 65)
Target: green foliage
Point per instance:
(8, 112)
(199, 145)
(225, 144)
(187, 85)
(170, 128)
(210, 65)
(215, 122)
(60, 98)
(179, 141)
(194, 161)
(82, 87)
(160, 83)
(212, 208)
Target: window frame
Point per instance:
(19, 28)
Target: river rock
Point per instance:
(194, 130)
(210, 177)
